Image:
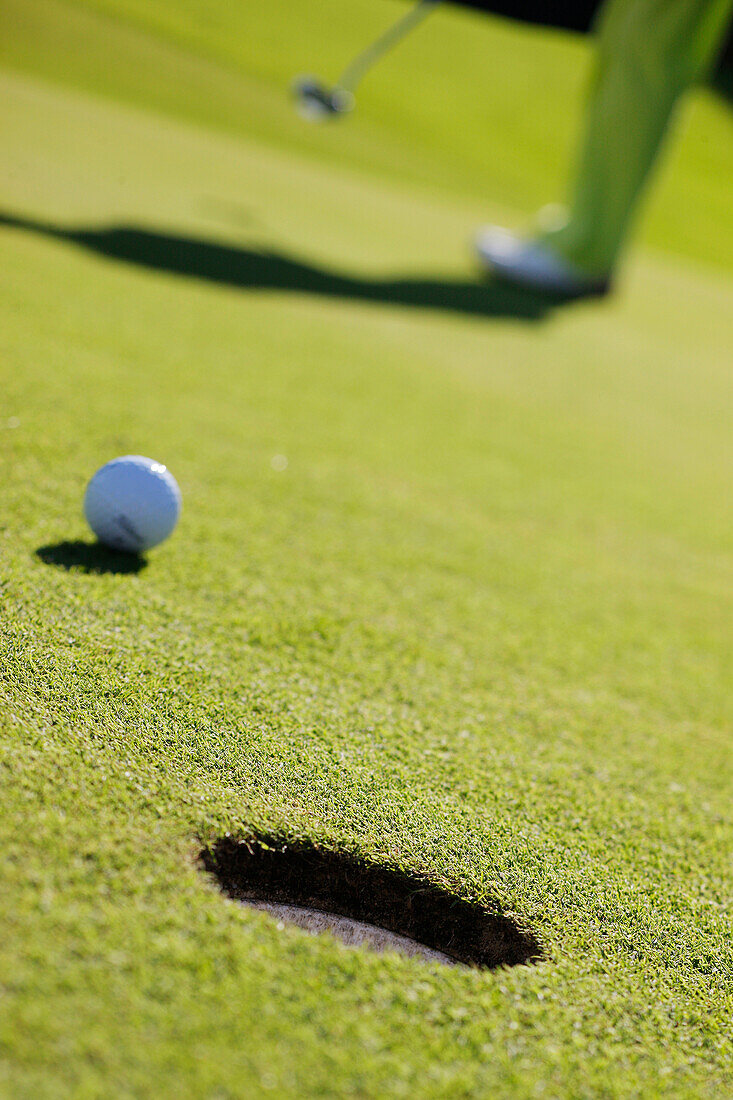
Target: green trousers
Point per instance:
(648, 53)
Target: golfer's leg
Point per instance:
(649, 51)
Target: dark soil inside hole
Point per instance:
(276, 871)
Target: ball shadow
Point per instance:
(89, 557)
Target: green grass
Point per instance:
(479, 628)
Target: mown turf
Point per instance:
(478, 628)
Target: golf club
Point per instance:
(317, 100)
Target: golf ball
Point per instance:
(132, 503)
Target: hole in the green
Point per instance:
(366, 904)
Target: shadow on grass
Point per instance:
(89, 557)
(252, 269)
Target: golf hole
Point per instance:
(365, 904)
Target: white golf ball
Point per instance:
(132, 503)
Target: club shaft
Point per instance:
(354, 72)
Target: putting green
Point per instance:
(478, 626)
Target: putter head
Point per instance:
(315, 101)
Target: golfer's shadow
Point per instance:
(251, 269)
(89, 557)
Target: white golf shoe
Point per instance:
(532, 264)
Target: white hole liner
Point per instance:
(354, 933)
